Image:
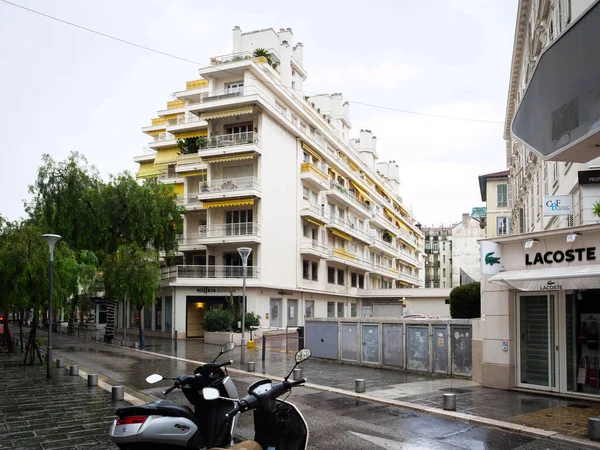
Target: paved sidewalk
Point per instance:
(61, 413)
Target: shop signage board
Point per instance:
(491, 258)
(558, 205)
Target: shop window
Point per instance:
(330, 309)
(340, 309)
(309, 308)
(353, 310)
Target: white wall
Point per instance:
(435, 307)
(465, 249)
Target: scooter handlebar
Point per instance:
(166, 391)
(226, 363)
(297, 382)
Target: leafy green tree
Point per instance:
(89, 282)
(133, 273)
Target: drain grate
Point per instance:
(578, 405)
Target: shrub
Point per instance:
(252, 320)
(217, 320)
(465, 301)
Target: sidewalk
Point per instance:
(530, 414)
(61, 413)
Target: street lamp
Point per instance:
(244, 253)
(52, 239)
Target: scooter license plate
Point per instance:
(127, 430)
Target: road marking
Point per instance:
(388, 444)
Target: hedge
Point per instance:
(217, 320)
(465, 301)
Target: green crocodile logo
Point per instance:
(550, 283)
(491, 260)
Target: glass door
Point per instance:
(537, 349)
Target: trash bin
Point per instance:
(300, 331)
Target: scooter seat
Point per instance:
(158, 408)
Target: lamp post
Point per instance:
(52, 239)
(244, 253)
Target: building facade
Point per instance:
(497, 193)
(256, 164)
(438, 257)
(466, 250)
(532, 180)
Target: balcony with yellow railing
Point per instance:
(343, 256)
(175, 104)
(314, 176)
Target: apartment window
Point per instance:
(444, 272)
(241, 129)
(314, 198)
(353, 279)
(427, 245)
(436, 246)
(502, 225)
(315, 271)
(331, 275)
(340, 309)
(502, 196)
(353, 310)
(444, 245)
(309, 308)
(427, 284)
(436, 284)
(305, 193)
(234, 88)
(361, 281)
(238, 223)
(340, 274)
(443, 258)
(330, 309)
(305, 269)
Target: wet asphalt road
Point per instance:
(335, 421)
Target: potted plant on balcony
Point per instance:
(201, 142)
(262, 53)
(204, 186)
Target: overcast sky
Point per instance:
(65, 89)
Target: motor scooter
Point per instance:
(278, 424)
(166, 425)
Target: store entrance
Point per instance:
(537, 349)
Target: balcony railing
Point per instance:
(230, 184)
(349, 256)
(317, 210)
(172, 272)
(409, 278)
(188, 200)
(351, 228)
(228, 230)
(319, 170)
(390, 245)
(189, 158)
(168, 174)
(313, 244)
(181, 119)
(367, 209)
(221, 94)
(229, 140)
(163, 137)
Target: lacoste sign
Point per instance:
(551, 286)
(558, 256)
(491, 258)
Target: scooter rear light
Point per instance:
(131, 420)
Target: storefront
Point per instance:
(540, 325)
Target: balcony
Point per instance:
(189, 159)
(229, 188)
(232, 233)
(189, 201)
(410, 259)
(318, 213)
(208, 272)
(162, 140)
(230, 144)
(344, 257)
(410, 279)
(389, 248)
(315, 176)
(349, 228)
(407, 237)
(345, 197)
(383, 222)
(182, 123)
(386, 271)
(312, 247)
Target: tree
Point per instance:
(465, 301)
(89, 282)
(133, 273)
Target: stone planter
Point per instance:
(222, 337)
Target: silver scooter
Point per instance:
(166, 425)
(278, 424)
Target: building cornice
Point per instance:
(517, 63)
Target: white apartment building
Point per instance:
(438, 253)
(539, 22)
(466, 250)
(260, 165)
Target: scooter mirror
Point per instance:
(227, 347)
(210, 393)
(154, 378)
(303, 355)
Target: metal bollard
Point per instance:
(594, 428)
(118, 393)
(136, 345)
(251, 366)
(73, 370)
(92, 379)
(449, 403)
(59, 363)
(122, 343)
(297, 375)
(360, 385)
(264, 348)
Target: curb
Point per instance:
(137, 396)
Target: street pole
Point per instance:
(52, 239)
(244, 253)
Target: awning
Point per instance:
(342, 235)
(178, 188)
(155, 132)
(166, 156)
(193, 173)
(551, 278)
(158, 121)
(147, 170)
(227, 113)
(190, 134)
(220, 159)
(389, 212)
(314, 221)
(171, 116)
(361, 192)
(306, 147)
(226, 203)
(351, 164)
